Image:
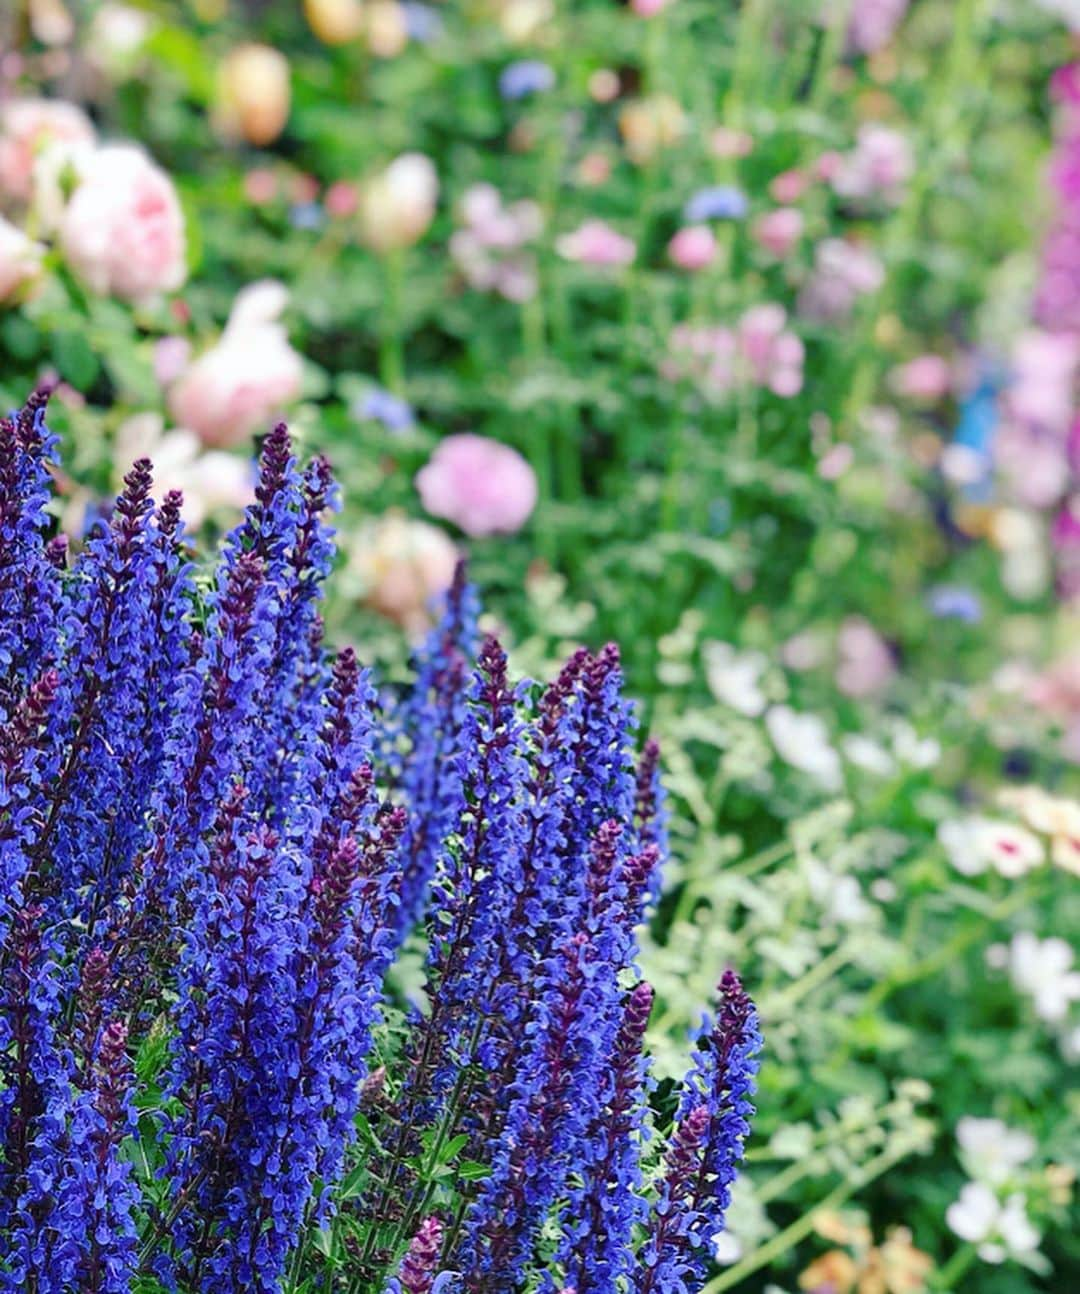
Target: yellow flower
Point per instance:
(650, 125)
(832, 1273)
(253, 93)
(904, 1268)
(335, 22)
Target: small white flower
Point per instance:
(867, 754)
(802, 740)
(1042, 968)
(991, 1150)
(999, 1230)
(734, 677)
(974, 844)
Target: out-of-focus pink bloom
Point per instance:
(727, 143)
(1044, 369)
(401, 566)
(693, 248)
(871, 23)
(865, 664)
(926, 378)
(594, 169)
(20, 262)
(758, 352)
(1057, 299)
(27, 128)
(596, 243)
(843, 271)
(649, 8)
(342, 199)
(489, 248)
(171, 355)
(122, 232)
(483, 486)
(604, 85)
(829, 165)
(260, 186)
(398, 205)
(789, 186)
(247, 378)
(878, 167)
(778, 231)
(836, 460)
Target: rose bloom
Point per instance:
(398, 205)
(253, 94)
(20, 262)
(693, 248)
(252, 372)
(402, 566)
(926, 378)
(27, 128)
(481, 485)
(778, 231)
(122, 232)
(596, 243)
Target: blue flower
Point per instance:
(953, 602)
(721, 202)
(526, 77)
(423, 23)
(383, 406)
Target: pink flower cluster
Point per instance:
(596, 243)
(1057, 301)
(490, 246)
(759, 351)
(877, 168)
(843, 271)
(481, 485)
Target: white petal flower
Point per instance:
(1042, 968)
(802, 740)
(991, 1150)
(734, 677)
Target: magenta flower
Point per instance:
(483, 486)
(596, 243)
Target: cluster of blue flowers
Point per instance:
(215, 839)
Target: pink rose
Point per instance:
(693, 248)
(27, 128)
(789, 186)
(865, 663)
(778, 231)
(649, 8)
(122, 232)
(596, 243)
(483, 486)
(247, 378)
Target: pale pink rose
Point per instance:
(789, 186)
(401, 566)
(865, 663)
(596, 243)
(20, 261)
(122, 232)
(778, 231)
(879, 166)
(28, 127)
(483, 486)
(926, 378)
(1044, 369)
(829, 165)
(171, 355)
(693, 248)
(649, 8)
(247, 378)
(726, 143)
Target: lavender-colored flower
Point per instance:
(382, 406)
(526, 77)
(952, 602)
(720, 202)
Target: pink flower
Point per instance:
(483, 486)
(122, 232)
(596, 243)
(649, 8)
(789, 186)
(342, 199)
(926, 378)
(20, 261)
(693, 248)
(778, 231)
(248, 377)
(27, 128)
(872, 23)
(878, 167)
(726, 143)
(866, 664)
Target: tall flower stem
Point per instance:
(392, 333)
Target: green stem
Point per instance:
(391, 337)
(955, 1268)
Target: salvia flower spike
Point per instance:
(216, 837)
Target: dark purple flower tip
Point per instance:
(418, 1267)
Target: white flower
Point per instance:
(867, 754)
(973, 844)
(1000, 1230)
(733, 676)
(802, 740)
(840, 896)
(1042, 968)
(911, 749)
(991, 1150)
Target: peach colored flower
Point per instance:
(481, 485)
(122, 232)
(401, 565)
(28, 127)
(253, 94)
(398, 204)
(249, 376)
